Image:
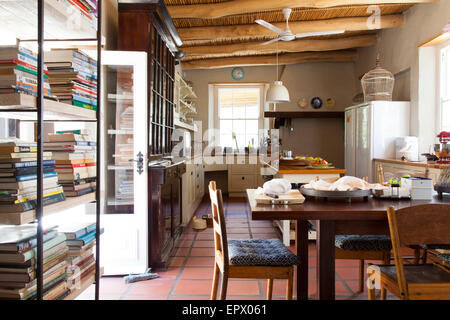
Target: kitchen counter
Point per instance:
(423, 164)
(290, 170)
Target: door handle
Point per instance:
(140, 162)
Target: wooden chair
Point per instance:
(425, 224)
(247, 258)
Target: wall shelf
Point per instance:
(304, 114)
(18, 218)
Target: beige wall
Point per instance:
(335, 80)
(398, 48)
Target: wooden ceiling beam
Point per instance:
(288, 58)
(299, 45)
(255, 30)
(234, 7)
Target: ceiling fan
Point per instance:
(287, 35)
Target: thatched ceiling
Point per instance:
(208, 31)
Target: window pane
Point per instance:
(226, 126)
(239, 112)
(253, 143)
(241, 141)
(252, 112)
(225, 96)
(226, 140)
(251, 127)
(446, 116)
(239, 126)
(225, 111)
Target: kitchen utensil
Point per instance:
(292, 197)
(335, 194)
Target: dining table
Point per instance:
(330, 217)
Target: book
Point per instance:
(83, 240)
(25, 244)
(27, 177)
(23, 155)
(17, 149)
(18, 234)
(27, 277)
(76, 131)
(74, 231)
(72, 155)
(76, 260)
(77, 251)
(48, 182)
(26, 163)
(28, 290)
(23, 171)
(50, 247)
(78, 193)
(56, 254)
(31, 204)
(65, 137)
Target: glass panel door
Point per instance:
(125, 160)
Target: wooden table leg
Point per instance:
(301, 246)
(325, 260)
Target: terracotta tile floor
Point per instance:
(190, 272)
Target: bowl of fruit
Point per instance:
(318, 162)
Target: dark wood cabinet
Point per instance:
(145, 25)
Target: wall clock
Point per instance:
(238, 73)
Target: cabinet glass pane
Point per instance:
(119, 145)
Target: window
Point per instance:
(444, 96)
(238, 115)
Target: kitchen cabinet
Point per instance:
(146, 26)
(193, 190)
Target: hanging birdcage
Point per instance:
(378, 84)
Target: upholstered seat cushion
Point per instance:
(357, 242)
(445, 257)
(260, 252)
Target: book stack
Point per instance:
(18, 71)
(81, 259)
(74, 155)
(73, 77)
(87, 8)
(18, 177)
(18, 263)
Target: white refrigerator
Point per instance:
(370, 132)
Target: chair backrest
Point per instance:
(423, 224)
(220, 232)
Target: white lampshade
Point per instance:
(277, 93)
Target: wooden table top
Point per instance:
(311, 209)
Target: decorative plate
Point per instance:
(238, 73)
(316, 103)
(330, 103)
(302, 103)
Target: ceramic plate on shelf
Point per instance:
(316, 103)
(302, 103)
(330, 103)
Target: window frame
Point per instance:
(262, 103)
(440, 75)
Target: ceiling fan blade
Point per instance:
(321, 33)
(270, 41)
(269, 26)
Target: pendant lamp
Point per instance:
(277, 93)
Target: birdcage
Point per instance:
(378, 84)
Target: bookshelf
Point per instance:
(57, 24)
(19, 218)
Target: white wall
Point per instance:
(398, 48)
